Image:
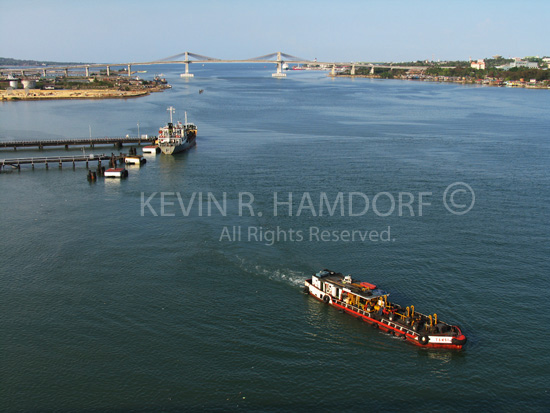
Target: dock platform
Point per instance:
(60, 160)
(118, 142)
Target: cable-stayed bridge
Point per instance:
(187, 58)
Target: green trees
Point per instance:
(515, 73)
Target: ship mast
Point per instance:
(171, 109)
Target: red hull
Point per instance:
(394, 328)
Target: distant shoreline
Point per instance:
(441, 79)
(39, 94)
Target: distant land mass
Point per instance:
(8, 61)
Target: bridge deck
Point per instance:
(188, 58)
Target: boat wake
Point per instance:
(292, 277)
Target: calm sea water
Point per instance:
(113, 298)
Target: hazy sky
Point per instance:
(335, 30)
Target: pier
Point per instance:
(16, 163)
(118, 142)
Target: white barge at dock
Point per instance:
(134, 159)
(116, 173)
(151, 149)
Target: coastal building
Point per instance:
(479, 65)
(518, 62)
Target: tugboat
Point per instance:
(176, 138)
(365, 301)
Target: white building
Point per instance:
(519, 63)
(479, 65)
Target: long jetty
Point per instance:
(118, 142)
(17, 162)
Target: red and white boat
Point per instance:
(366, 301)
(116, 173)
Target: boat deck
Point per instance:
(357, 289)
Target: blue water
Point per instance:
(110, 302)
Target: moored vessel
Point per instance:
(369, 303)
(178, 137)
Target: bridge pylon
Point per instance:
(187, 61)
(280, 62)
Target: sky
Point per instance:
(337, 31)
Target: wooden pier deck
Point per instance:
(91, 142)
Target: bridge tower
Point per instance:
(187, 61)
(280, 62)
(352, 69)
(372, 70)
